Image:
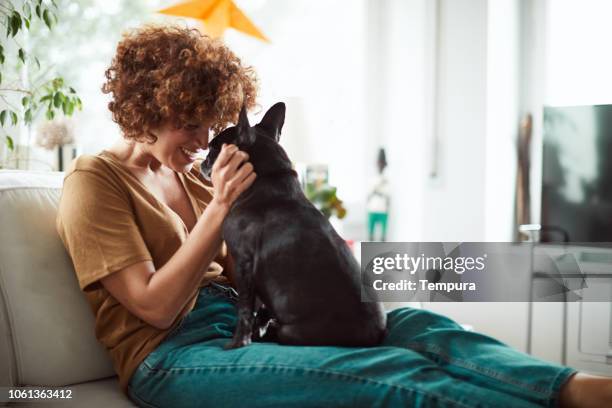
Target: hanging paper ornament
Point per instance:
(217, 16)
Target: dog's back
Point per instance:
(304, 272)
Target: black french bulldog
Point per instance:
(287, 254)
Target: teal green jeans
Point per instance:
(427, 360)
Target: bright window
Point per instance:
(579, 60)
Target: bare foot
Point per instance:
(586, 391)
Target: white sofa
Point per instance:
(46, 326)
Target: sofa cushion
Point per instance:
(46, 325)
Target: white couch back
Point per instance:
(46, 325)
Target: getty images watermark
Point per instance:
(485, 272)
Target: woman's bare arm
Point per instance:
(157, 297)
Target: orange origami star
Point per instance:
(217, 15)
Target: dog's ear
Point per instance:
(246, 135)
(274, 119)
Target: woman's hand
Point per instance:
(231, 175)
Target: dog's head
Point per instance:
(259, 141)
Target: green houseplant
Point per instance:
(24, 97)
(324, 197)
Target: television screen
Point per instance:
(577, 173)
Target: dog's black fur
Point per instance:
(287, 254)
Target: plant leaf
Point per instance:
(14, 118)
(24, 101)
(48, 18)
(50, 114)
(15, 23)
(27, 116)
(18, 22)
(9, 143)
(2, 117)
(22, 55)
(58, 98)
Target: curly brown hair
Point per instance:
(170, 74)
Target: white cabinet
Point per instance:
(589, 340)
(548, 340)
(578, 334)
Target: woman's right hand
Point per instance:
(228, 177)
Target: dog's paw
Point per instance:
(234, 344)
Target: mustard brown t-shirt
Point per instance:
(107, 221)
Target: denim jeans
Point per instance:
(427, 360)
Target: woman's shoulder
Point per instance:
(89, 163)
(94, 171)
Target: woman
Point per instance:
(144, 233)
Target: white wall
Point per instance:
(533, 87)
(396, 92)
(502, 118)
(454, 200)
(450, 206)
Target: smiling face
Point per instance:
(178, 148)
